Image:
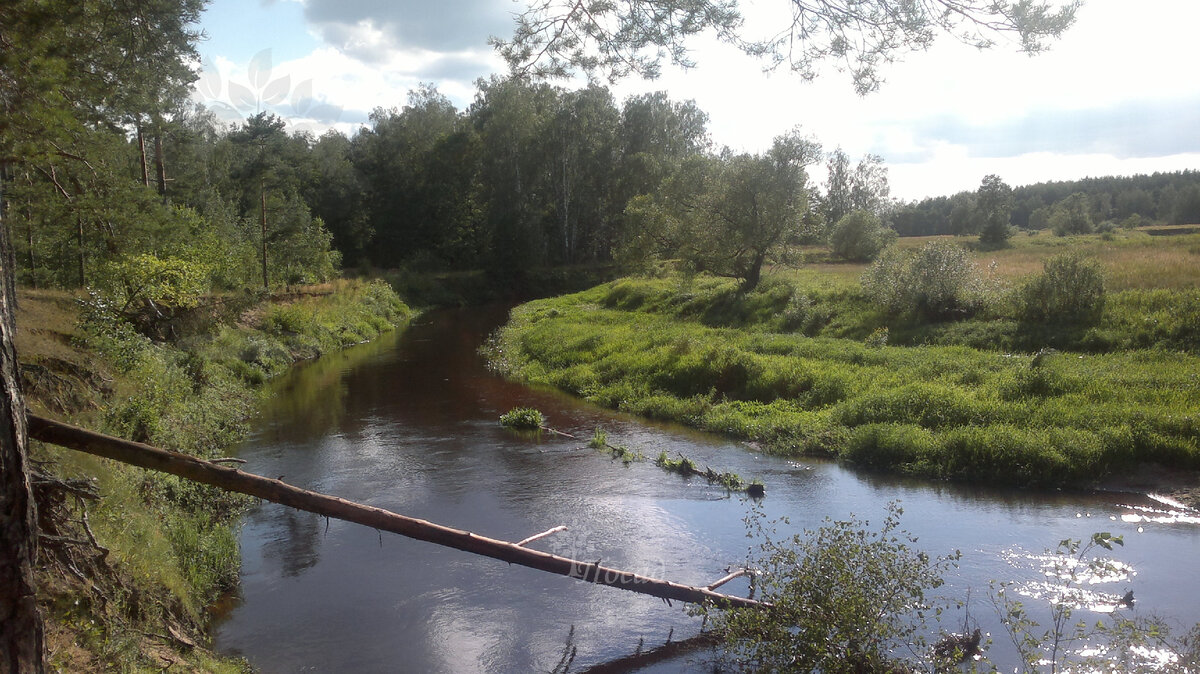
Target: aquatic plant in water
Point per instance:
(523, 418)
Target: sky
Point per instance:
(1119, 94)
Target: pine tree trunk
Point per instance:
(141, 137)
(29, 239)
(263, 224)
(79, 242)
(160, 166)
(21, 635)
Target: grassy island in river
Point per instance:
(810, 363)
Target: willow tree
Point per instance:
(623, 37)
(994, 202)
(729, 215)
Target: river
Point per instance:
(409, 423)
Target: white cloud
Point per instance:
(1114, 92)
(382, 25)
(1115, 86)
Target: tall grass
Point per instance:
(1132, 260)
(696, 351)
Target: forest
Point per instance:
(1068, 207)
(109, 192)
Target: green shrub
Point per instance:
(878, 338)
(102, 329)
(1071, 216)
(843, 598)
(267, 354)
(888, 446)
(937, 281)
(599, 439)
(859, 236)
(925, 404)
(1070, 287)
(804, 314)
(523, 418)
(288, 319)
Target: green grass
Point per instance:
(173, 543)
(954, 400)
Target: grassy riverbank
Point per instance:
(807, 363)
(128, 582)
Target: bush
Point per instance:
(888, 446)
(102, 329)
(937, 281)
(804, 314)
(524, 418)
(1070, 287)
(1132, 222)
(860, 235)
(843, 598)
(1071, 216)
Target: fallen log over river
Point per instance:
(276, 491)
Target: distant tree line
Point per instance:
(529, 175)
(1067, 207)
(113, 180)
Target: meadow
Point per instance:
(808, 364)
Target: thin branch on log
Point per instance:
(231, 479)
(736, 574)
(87, 528)
(555, 530)
(558, 432)
(227, 459)
(83, 489)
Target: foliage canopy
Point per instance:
(859, 236)
(616, 39)
(844, 598)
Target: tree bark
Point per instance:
(21, 634)
(79, 247)
(32, 277)
(231, 479)
(754, 272)
(263, 226)
(141, 137)
(160, 164)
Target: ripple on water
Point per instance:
(1063, 578)
(1175, 513)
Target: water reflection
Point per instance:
(410, 424)
(312, 399)
(293, 544)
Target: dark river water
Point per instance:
(409, 423)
